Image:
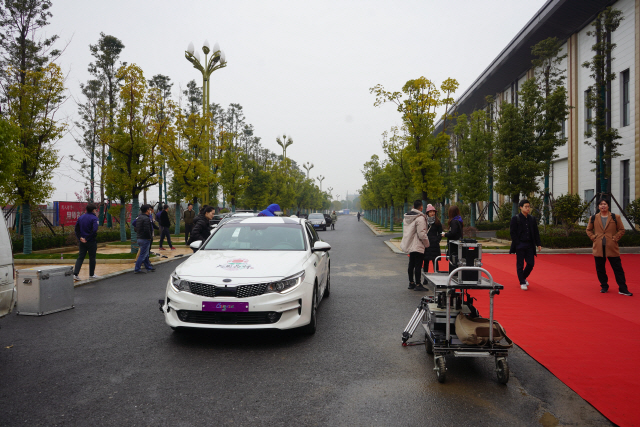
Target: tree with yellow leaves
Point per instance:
(139, 135)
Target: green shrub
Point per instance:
(569, 209)
(633, 211)
(556, 237)
(503, 234)
(504, 212)
(489, 226)
(46, 240)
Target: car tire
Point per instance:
(310, 329)
(327, 289)
(324, 228)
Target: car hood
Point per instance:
(242, 264)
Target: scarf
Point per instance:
(459, 218)
(431, 220)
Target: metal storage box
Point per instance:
(44, 290)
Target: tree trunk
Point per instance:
(472, 222)
(135, 208)
(26, 226)
(123, 219)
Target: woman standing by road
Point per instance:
(455, 231)
(334, 219)
(201, 228)
(434, 227)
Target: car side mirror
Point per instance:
(213, 226)
(321, 247)
(196, 244)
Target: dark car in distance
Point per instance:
(318, 221)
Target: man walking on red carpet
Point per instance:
(604, 230)
(524, 239)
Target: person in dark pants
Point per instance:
(414, 241)
(524, 239)
(86, 232)
(144, 231)
(455, 232)
(165, 228)
(434, 233)
(605, 230)
(188, 216)
(358, 216)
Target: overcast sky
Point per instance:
(300, 68)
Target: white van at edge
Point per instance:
(7, 281)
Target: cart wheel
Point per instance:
(440, 369)
(502, 370)
(427, 344)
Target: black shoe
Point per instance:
(411, 285)
(604, 291)
(140, 272)
(151, 269)
(419, 287)
(626, 293)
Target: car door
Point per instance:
(320, 259)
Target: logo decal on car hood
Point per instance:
(235, 264)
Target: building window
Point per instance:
(626, 99)
(563, 130)
(625, 184)
(588, 112)
(588, 195)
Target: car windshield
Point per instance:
(316, 216)
(257, 237)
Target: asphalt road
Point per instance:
(113, 361)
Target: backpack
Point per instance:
(593, 218)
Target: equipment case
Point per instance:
(465, 253)
(44, 290)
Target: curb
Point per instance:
(121, 272)
(379, 233)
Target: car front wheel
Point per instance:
(310, 329)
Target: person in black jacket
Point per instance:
(455, 231)
(201, 228)
(87, 232)
(524, 239)
(144, 231)
(165, 228)
(434, 232)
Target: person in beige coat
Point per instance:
(605, 230)
(414, 241)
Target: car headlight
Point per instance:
(179, 284)
(287, 284)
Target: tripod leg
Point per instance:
(413, 324)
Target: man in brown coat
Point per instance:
(604, 230)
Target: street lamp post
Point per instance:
(284, 143)
(320, 178)
(308, 166)
(218, 60)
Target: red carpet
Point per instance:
(589, 340)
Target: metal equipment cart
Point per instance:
(438, 314)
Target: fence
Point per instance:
(9, 214)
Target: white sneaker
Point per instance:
(76, 278)
(93, 277)
(524, 286)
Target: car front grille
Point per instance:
(242, 291)
(218, 318)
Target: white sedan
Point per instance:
(252, 273)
